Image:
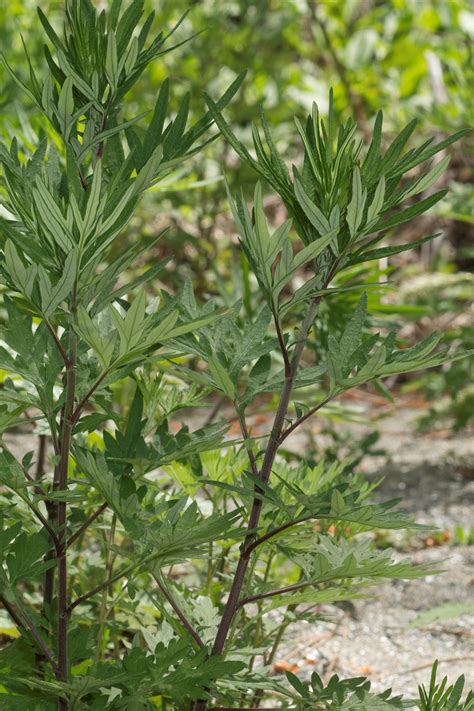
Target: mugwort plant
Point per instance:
(148, 562)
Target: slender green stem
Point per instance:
(276, 642)
(246, 437)
(109, 567)
(209, 567)
(268, 661)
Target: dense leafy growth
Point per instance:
(142, 553)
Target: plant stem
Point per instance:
(265, 472)
(12, 612)
(215, 411)
(78, 411)
(120, 574)
(278, 638)
(41, 457)
(72, 539)
(58, 343)
(209, 568)
(272, 593)
(61, 476)
(275, 531)
(304, 417)
(179, 613)
(281, 341)
(23, 621)
(109, 566)
(98, 588)
(246, 437)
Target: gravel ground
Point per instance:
(434, 475)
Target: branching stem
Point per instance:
(78, 411)
(90, 520)
(177, 610)
(273, 593)
(299, 421)
(232, 603)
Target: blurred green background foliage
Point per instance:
(410, 58)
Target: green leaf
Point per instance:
(111, 60)
(51, 217)
(226, 131)
(17, 80)
(355, 209)
(221, 377)
(372, 160)
(440, 613)
(24, 560)
(155, 129)
(22, 277)
(149, 172)
(66, 100)
(167, 329)
(410, 212)
(93, 203)
(311, 597)
(190, 326)
(127, 24)
(311, 210)
(86, 328)
(11, 473)
(49, 30)
(434, 361)
(427, 180)
(352, 336)
(313, 250)
(429, 152)
(373, 366)
(372, 254)
(376, 206)
(55, 295)
(132, 324)
(396, 147)
(102, 136)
